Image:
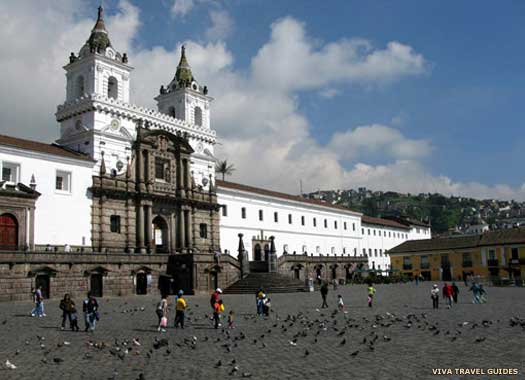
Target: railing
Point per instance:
(407, 266)
(467, 264)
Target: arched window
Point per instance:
(112, 87)
(198, 116)
(171, 111)
(79, 87)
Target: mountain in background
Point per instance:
(447, 215)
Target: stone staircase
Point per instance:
(269, 282)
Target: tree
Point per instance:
(224, 168)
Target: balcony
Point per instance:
(492, 263)
(407, 266)
(467, 264)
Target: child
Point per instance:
(73, 322)
(230, 320)
(371, 292)
(340, 303)
(267, 304)
(218, 308)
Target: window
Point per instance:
(315, 222)
(424, 262)
(304, 248)
(335, 224)
(492, 254)
(467, 259)
(407, 263)
(63, 181)
(317, 249)
(353, 226)
(325, 223)
(344, 250)
(112, 88)
(344, 225)
(10, 172)
(362, 231)
(224, 210)
(261, 216)
(203, 231)
(514, 254)
(302, 220)
(289, 218)
(243, 212)
(114, 221)
(370, 252)
(332, 250)
(369, 231)
(364, 251)
(374, 232)
(389, 234)
(285, 248)
(198, 116)
(161, 169)
(276, 217)
(375, 252)
(171, 111)
(355, 251)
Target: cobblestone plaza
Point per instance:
(401, 337)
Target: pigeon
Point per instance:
(306, 352)
(246, 374)
(354, 353)
(219, 363)
(58, 360)
(343, 342)
(9, 365)
(480, 339)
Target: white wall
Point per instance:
(295, 235)
(60, 218)
(377, 239)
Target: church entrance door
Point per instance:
(96, 285)
(142, 283)
(8, 232)
(257, 256)
(43, 281)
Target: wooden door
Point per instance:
(8, 232)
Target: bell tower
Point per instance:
(184, 98)
(98, 74)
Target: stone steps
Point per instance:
(269, 282)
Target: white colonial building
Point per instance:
(98, 134)
(302, 225)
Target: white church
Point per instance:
(71, 195)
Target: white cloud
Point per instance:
(256, 111)
(182, 7)
(329, 93)
(221, 25)
(377, 139)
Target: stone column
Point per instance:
(244, 262)
(148, 228)
(180, 187)
(140, 229)
(272, 257)
(32, 229)
(173, 233)
(180, 230)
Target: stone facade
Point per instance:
(154, 206)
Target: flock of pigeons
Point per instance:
(301, 331)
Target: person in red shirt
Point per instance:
(447, 294)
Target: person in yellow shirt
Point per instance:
(180, 307)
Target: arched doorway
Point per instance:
(142, 283)
(160, 235)
(257, 256)
(8, 232)
(96, 286)
(334, 271)
(42, 280)
(266, 252)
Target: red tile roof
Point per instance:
(42, 147)
(276, 194)
(383, 222)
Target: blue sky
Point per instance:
(464, 105)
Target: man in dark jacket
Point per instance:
(324, 293)
(90, 309)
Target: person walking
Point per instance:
(259, 296)
(434, 294)
(218, 308)
(475, 293)
(267, 304)
(162, 313)
(324, 293)
(67, 305)
(455, 292)
(371, 293)
(482, 294)
(231, 319)
(180, 307)
(38, 310)
(447, 295)
(91, 314)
